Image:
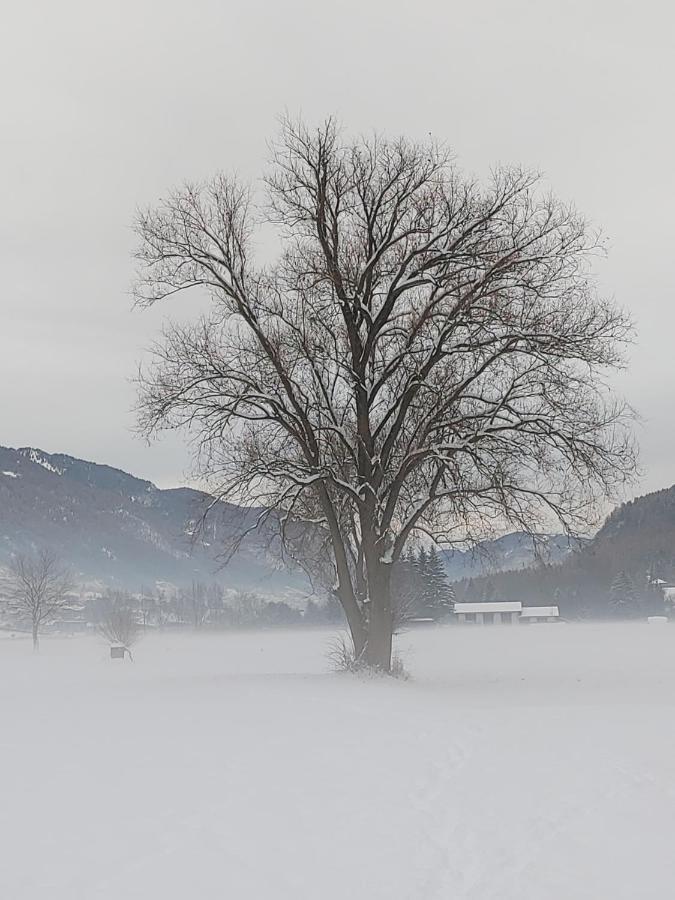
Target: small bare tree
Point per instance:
(427, 356)
(38, 587)
(120, 624)
(195, 603)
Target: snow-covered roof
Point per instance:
(495, 607)
(536, 612)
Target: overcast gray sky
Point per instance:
(107, 105)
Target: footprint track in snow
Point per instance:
(434, 800)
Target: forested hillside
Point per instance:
(621, 571)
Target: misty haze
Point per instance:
(337, 515)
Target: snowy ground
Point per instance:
(518, 764)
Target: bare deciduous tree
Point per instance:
(426, 355)
(195, 604)
(38, 586)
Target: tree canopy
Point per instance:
(425, 356)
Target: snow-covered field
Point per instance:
(517, 764)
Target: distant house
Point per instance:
(540, 614)
(71, 618)
(505, 612)
(488, 613)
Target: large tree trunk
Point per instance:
(380, 627)
(357, 628)
(36, 637)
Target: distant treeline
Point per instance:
(421, 592)
(209, 606)
(578, 592)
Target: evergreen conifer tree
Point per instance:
(622, 598)
(406, 589)
(439, 594)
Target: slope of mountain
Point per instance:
(513, 551)
(115, 528)
(640, 536)
(118, 529)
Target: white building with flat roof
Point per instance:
(504, 611)
(488, 613)
(540, 614)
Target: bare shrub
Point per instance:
(120, 626)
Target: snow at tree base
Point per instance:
(517, 764)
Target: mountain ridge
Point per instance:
(114, 527)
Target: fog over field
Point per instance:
(517, 764)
